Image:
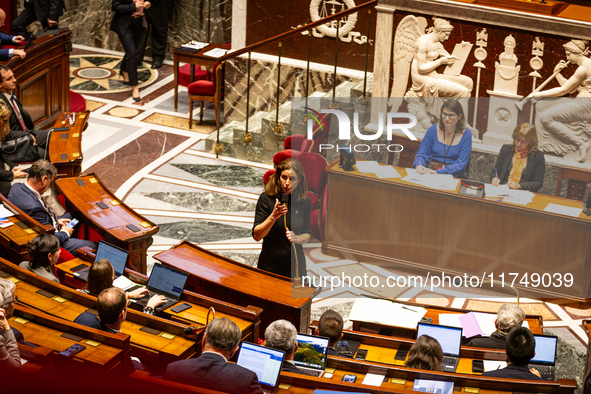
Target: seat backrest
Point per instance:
(407, 157)
(284, 155)
(315, 169)
(294, 142)
(577, 182)
(268, 175)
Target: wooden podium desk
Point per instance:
(247, 318)
(15, 238)
(104, 351)
(65, 147)
(194, 59)
(43, 78)
(117, 222)
(227, 280)
(394, 223)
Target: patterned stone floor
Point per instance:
(148, 156)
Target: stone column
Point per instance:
(382, 59)
(238, 24)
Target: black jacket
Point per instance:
(532, 177)
(513, 371)
(123, 10)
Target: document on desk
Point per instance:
(123, 283)
(519, 197)
(372, 379)
(470, 325)
(217, 52)
(434, 181)
(450, 319)
(386, 312)
(5, 212)
(387, 172)
(490, 365)
(486, 321)
(563, 210)
(195, 45)
(367, 167)
(496, 191)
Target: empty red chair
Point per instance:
(294, 142)
(268, 175)
(284, 155)
(316, 177)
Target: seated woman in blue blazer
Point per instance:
(447, 145)
(520, 165)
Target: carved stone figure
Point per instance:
(564, 125)
(506, 69)
(422, 53)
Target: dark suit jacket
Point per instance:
(123, 10)
(22, 197)
(532, 177)
(5, 39)
(89, 320)
(211, 371)
(495, 341)
(14, 123)
(51, 9)
(513, 371)
(289, 367)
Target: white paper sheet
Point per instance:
(387, 172)
(386, 312)
(195, 44)
(123, 283)
(372, 379)
(4, 212)
(490, 365)
(434, 181)
(367, 166)
(217, 52)
(496, 191)
(486, 321)
(562, 210)
(450, 319)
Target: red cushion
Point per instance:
(307, 146)
(284, 155)
(294, 142)
(202, 88)
(77, 102)
(268, 175)
(314, 199)
(315, 168)
(65, 256)
(185, 74)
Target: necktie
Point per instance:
(18, 113)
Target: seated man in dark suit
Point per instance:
(281, 335)
(6, 39)
(508, 316)
(212, 370)
(20, 121)
(112, 310)
(521, 348)
(331, 325)
(27, 196)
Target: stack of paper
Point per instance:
(123, 283)
(5, 223)
(496, 191)
(217, 52)
(473, 323)
(434, 181)
(563, 210)
(520, 197)
(195, 45)
(4, 212)
(386, 312)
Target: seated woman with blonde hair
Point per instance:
(425, 354)
(7, 175)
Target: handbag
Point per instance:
(19, 150)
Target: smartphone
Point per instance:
(343, 348)
(349, 378)
(477, 366)
(180, 308)
(401, 354)
(72, 223)
(73, 350)
(361, 354)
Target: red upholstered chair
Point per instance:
(185, 75)
(77, 102)
(65, 256)
(318, 217)
(268, 175)
(315, 169)
(307, 146)
(207, 91)
(284, 155)
(294, 142)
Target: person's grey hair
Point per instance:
(509, 316)
(223, 334)
(42, 168)
(281, 335)
(6, 289)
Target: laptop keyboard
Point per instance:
(545, 371)
(449, 361)
(312, 372)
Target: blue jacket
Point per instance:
(5, 39)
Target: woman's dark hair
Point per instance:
(425, 354)
(39, 247)
(100, 277)
(273, 186)
(455, 107)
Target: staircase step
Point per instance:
(357, 91)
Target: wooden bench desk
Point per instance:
(222, 278)
(247, 318)
(104, 351)
(116, 222)
(15, 238)
(168, 344)
(65, 147)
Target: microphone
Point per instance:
(193, 330)
(285, 199)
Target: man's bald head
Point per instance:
(110, 303)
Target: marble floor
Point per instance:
(147, 155)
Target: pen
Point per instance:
(408, 309)
(496, 173)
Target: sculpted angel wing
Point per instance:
(408, 32)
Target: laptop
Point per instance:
(450, 339)
(263, 361)
(165, 281)
(545, 358)
(116, 256)
(311, 355)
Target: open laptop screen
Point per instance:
(450, 338)
(312, 351)
(263, 361)
(116, 256)
(167, 280)
(545, 349)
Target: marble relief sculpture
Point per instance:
(564, 125)
(506, 69)
(420, 53)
